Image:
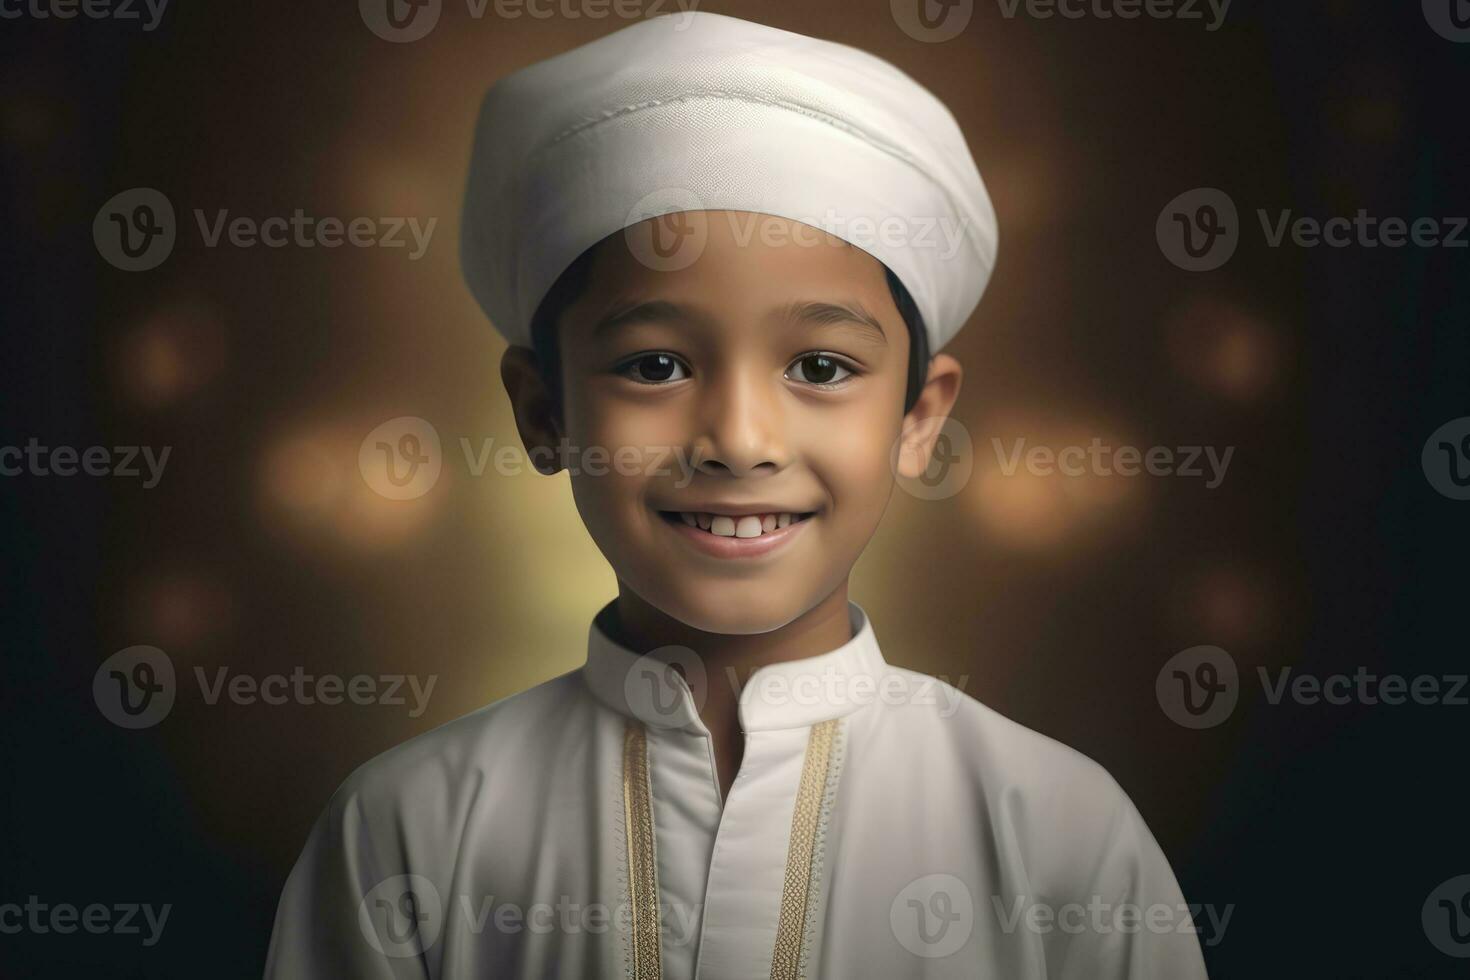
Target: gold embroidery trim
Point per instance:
(815, 771)
(642, 868)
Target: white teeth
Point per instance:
(745, 526)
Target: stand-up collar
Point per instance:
(791, 694)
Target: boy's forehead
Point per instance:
(752, 271)
(694, 250)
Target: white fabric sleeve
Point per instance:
(1133, 922)
(320, 930)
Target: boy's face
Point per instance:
(767, 377)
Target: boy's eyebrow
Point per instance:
(821, 313)
(810, 311)
(638, 312)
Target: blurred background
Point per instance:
(1055, 600)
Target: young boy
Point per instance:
(712, 246)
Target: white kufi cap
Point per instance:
(699, 111)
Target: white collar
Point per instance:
(790, 694)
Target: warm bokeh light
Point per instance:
(1226, 604)
(312, 482)
(1223, 349)
(172, 353)
(306, 475)
(177, 609)
(1038, 505)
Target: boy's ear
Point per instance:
(922, 424)
(535, 411)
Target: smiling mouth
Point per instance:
(733, 526)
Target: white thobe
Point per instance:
(882, 824)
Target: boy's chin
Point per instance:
(720, 611)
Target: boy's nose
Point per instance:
(742, 428)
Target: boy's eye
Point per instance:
(818, 369)
(654, 368)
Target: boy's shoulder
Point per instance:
(1027, 779)
(990, 741)
(443, 763)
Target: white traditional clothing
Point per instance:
(882, 824)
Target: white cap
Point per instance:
(699, 111)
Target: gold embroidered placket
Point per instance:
(816, 770)
(642, 866)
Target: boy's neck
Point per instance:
(643, 628)
(730, 659)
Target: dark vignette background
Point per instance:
(1324, 549)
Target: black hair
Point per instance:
(573, 282)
